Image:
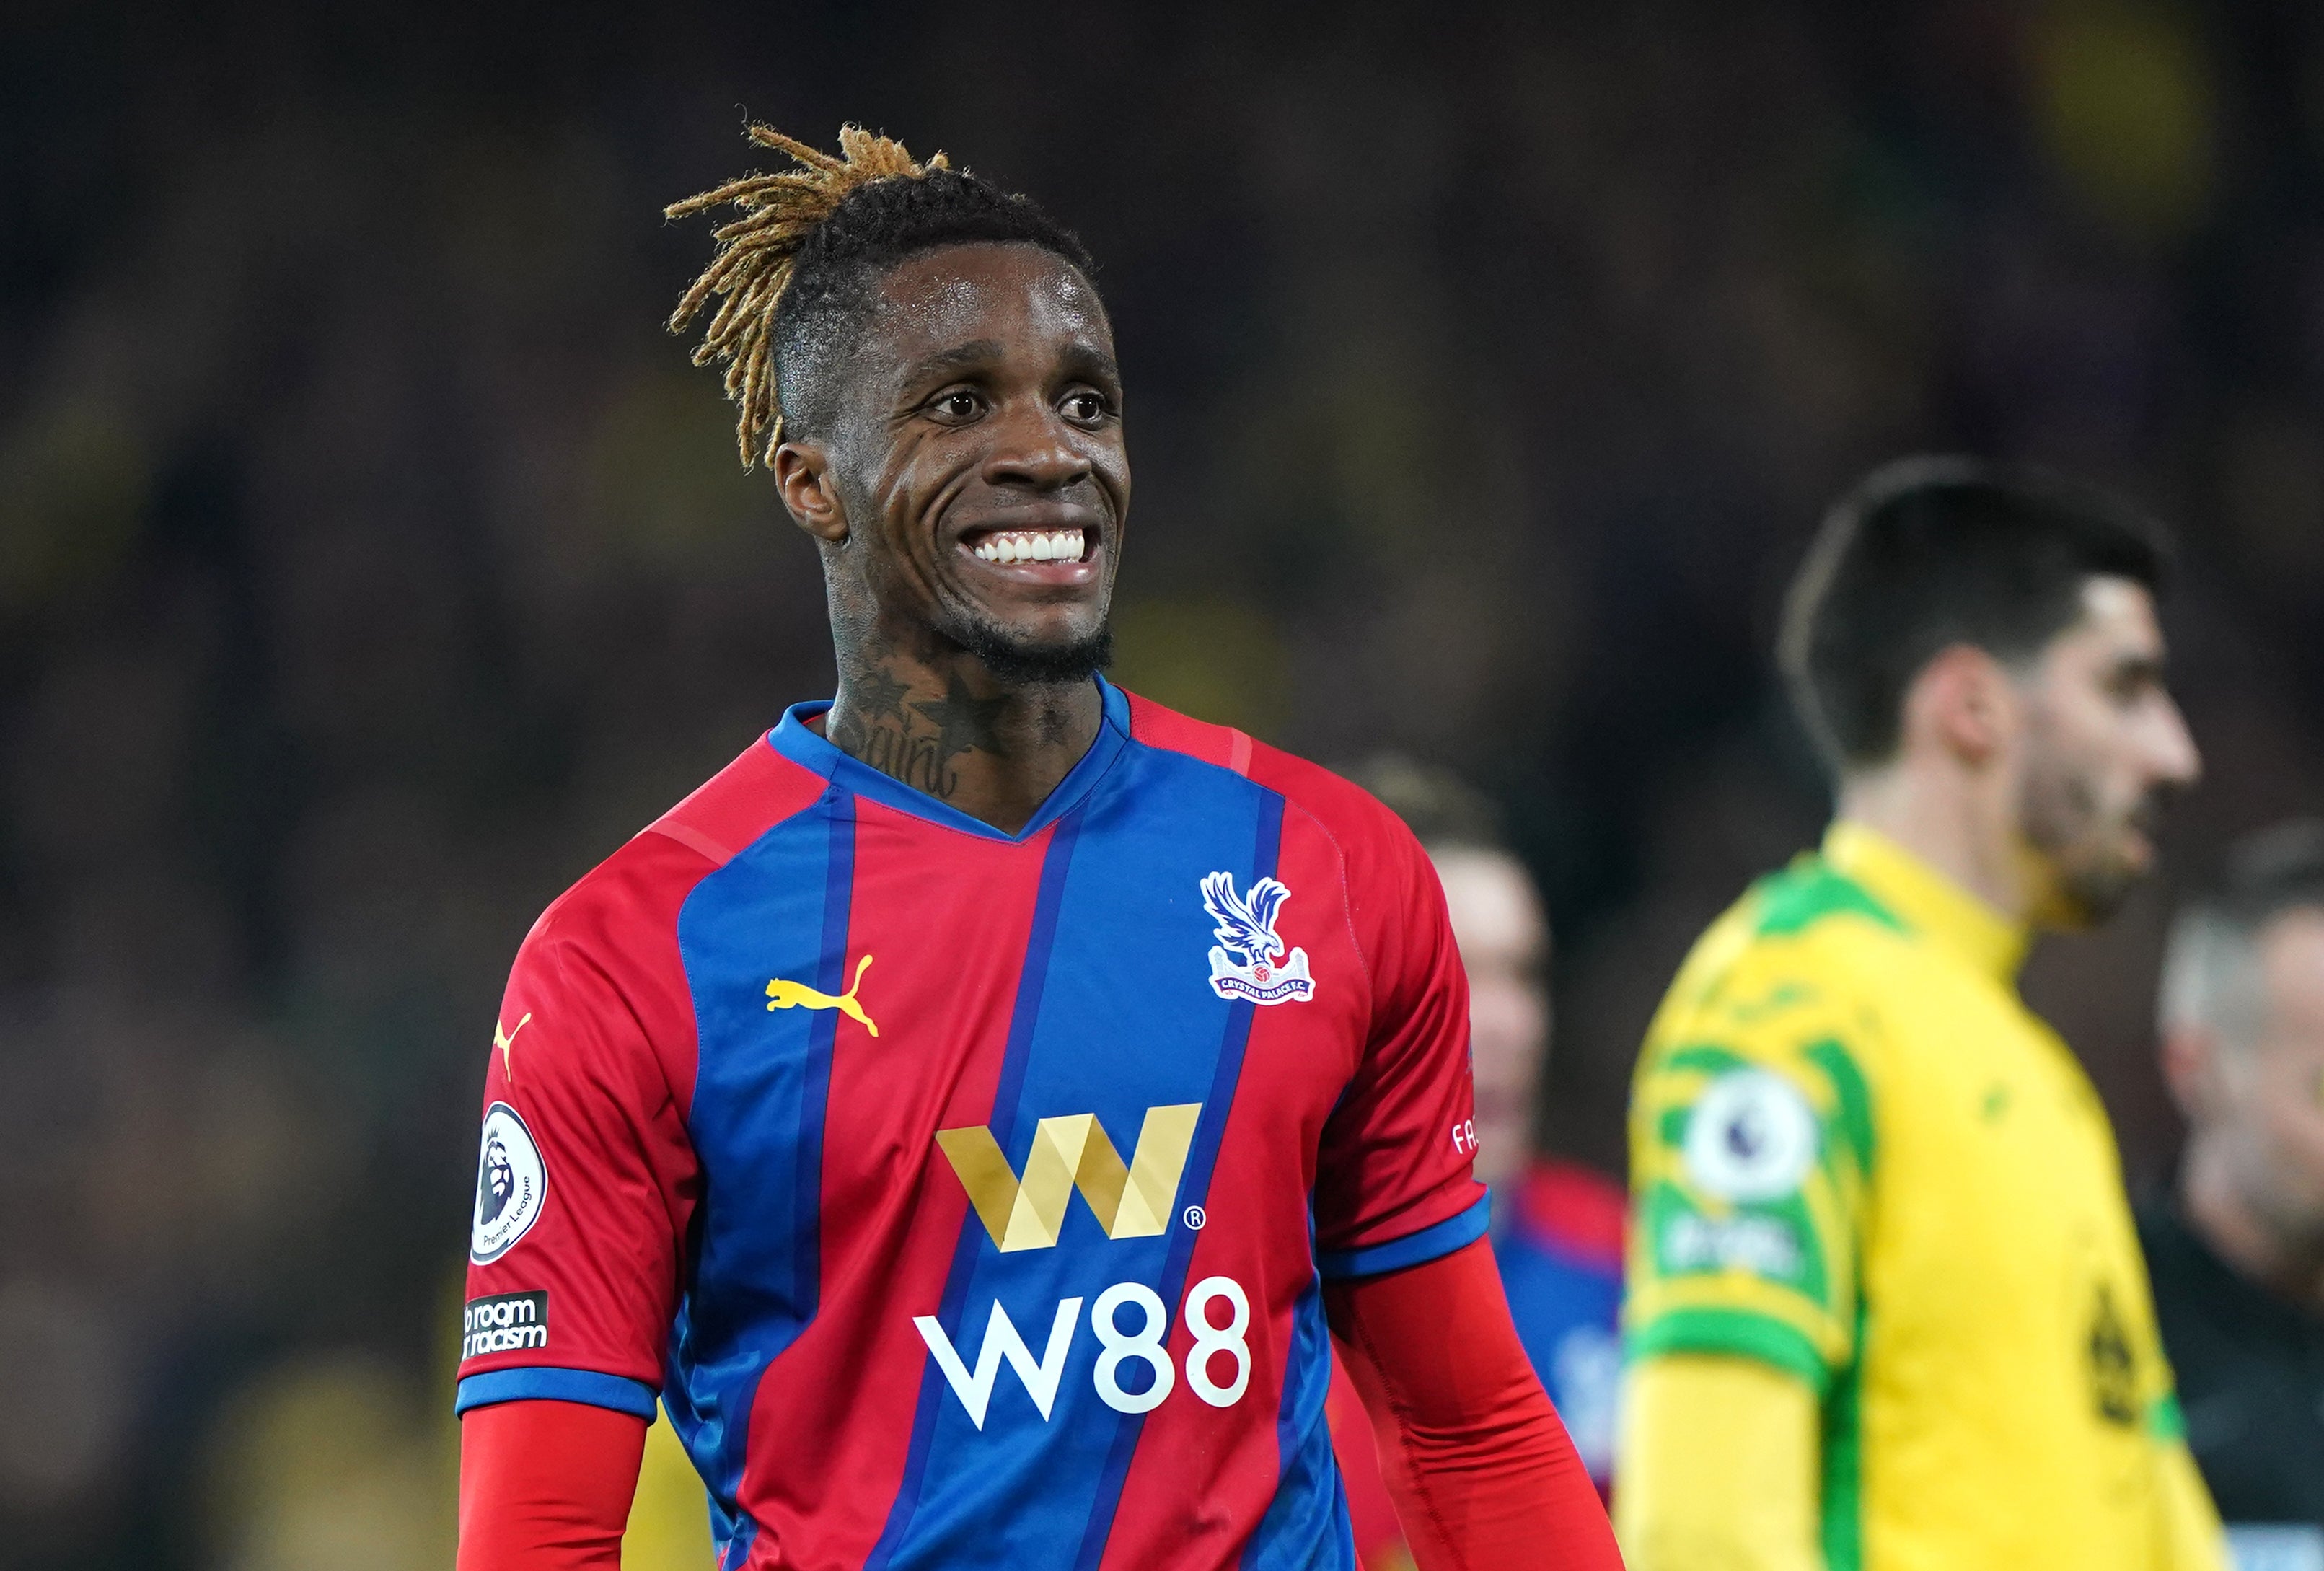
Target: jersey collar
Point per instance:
(1932, 903)
(803, 746)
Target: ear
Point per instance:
(1964, 701)
(803, 480)
(2190, 1068)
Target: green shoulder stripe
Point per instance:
(1807, 892)
(1851, 1110)
(1703, 1056)
(1843, 1464)
(1737, 1332)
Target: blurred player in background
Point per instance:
(2239, 1255)
(1887, 1306)
(1557, 1224)
(978, 1110)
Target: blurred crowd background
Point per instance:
(372, 563)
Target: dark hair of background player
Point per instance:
(1443, 811)
(1931, 552)
(797, 270)
(2275, 870)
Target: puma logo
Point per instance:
(505, 1041)
(782, 994)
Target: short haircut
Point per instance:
(1930, 552)
(2210, 968)
(1443, 811)
(798, 269)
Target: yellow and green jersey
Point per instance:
(1859, 1158)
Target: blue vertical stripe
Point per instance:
(1309, 1513)
(755, 1277)
(1195, 1188)
(1024, 1016)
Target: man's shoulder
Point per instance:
(1802, 950)
(1365, 831)
(638, 891)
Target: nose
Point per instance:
(2177, 760)
(1035, 448)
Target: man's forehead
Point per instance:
(2121, 603)
(2293, 939)
(980, 298)
(2117, 617)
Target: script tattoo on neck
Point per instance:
(916, 741)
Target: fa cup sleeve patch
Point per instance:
(510, 1184)
(505, 1323)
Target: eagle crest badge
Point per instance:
(1246, 927)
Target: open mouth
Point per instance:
(1008, 547)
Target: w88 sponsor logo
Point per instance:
(1145, 1346)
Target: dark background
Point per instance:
(372, 563)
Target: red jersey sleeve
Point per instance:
(585, 1178)
(1393, 1185)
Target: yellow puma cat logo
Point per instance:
(782, 994)
(505, 1041)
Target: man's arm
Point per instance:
(587, 1187)
(1719, 1469)
(1752, 1140)
(2192, 1536)
(546, 1486)
(1481, 1471)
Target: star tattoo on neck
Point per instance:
(963, 720)
(876, 692)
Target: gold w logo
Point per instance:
(782, 994)
(1130, 1200)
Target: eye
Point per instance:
(2132, 684)
(957, 406)
(1084, 408)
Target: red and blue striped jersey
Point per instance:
(966, 1196)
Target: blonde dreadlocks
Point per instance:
(809, 242)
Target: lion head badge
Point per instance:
(510, 1184)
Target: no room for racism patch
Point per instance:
(505, 1323)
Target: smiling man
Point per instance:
(975, 1112)
(1886, 1306)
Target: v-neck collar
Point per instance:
(796, 740)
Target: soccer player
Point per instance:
(1886, 1304)
(1557, 1224)
(978, 1110)
(2238, 1261)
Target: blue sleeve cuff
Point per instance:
(544, 1382)
(1429, 1243)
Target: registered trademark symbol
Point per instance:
(1194, 1218)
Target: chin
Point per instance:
(1020, 657)
(2088, 896)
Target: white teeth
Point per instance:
(1063, 545)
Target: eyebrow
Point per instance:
(981, 352)
(976, 352)
(1088, 357)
